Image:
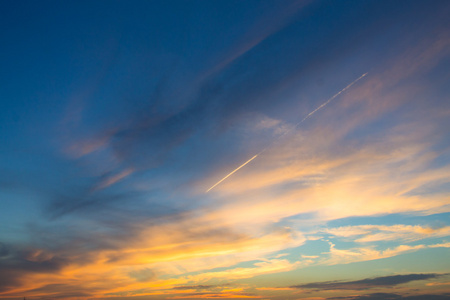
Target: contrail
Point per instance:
(305, 118)
(329, 100)
(232, 172)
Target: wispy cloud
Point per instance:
(357, 254)
(115, 178)
(260, 31)
(260, 268)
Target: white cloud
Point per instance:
(375, 233)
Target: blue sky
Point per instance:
(224, 149)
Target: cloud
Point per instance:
(328, 182)
(438, 283)
(136, 256)
(375, 233)
(61, 291)
(442, 245)
(374, 296)
(10, 279)
(385, 281)
(259, 268)
(18, 264)
(151, 137)
(115, 178)
(390, 296)
(345, 256)
(304, 155)
(260, 31)
(143, 275)
(215, 296)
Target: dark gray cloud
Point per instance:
(384, 281)
(427, 297)
(9, 278)
(16, 262)
(390, 296)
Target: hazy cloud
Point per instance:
(195, 287)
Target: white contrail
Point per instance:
(307, 116)
(334, 96)
(232, 172)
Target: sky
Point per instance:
(266, 149)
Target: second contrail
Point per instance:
(331, 99)
(307, 116)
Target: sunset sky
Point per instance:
(222, 149)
